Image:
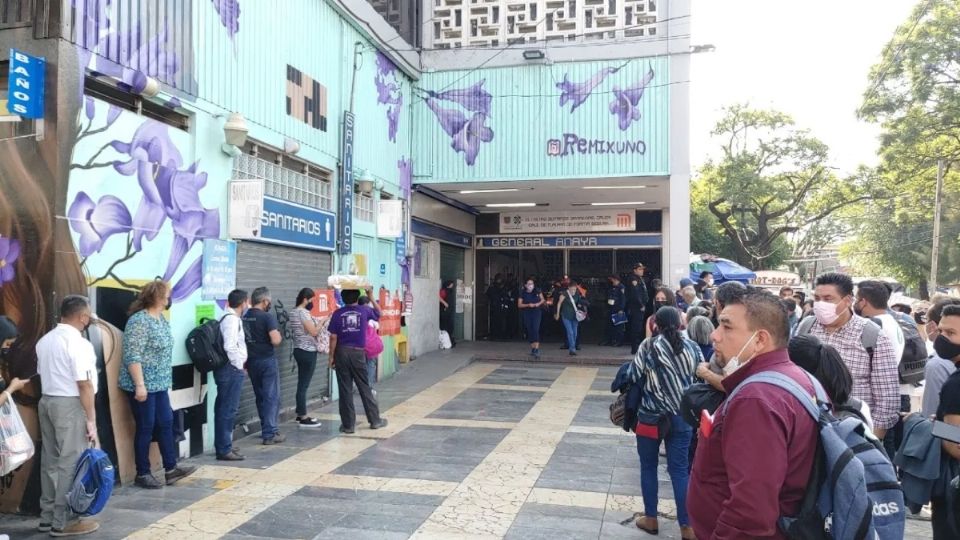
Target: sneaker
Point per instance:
(348, 431)
(148, 481)
(306, 421)
(382, 424)
(277, 439)
(179, 473)
(536, 353)
(76, 528)
(44, 527)
(232, 455)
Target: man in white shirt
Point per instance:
(230, 377)
(67, 365)
(872, 300)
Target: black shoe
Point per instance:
(381, 424)
(578, 347)
(348, 431)
(179, 473)
(232, 455)
(306, 421)
(572, 353)
(147, 481)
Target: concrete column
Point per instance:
(676, 217)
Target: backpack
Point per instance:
(853, 492)
(92, 483)
(373, 345)
(868, 338)
(205, 346)
(850, 409)
(914, 359)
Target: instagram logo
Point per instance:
(553, 147)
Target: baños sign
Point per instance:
(26, 84)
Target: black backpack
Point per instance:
(205, 346)
(914, 359)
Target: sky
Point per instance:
(809, 60)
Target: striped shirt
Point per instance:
(879, 388)
(301, 339)
(665, 374)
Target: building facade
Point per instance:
(234, 144)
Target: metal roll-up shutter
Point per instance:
(284, 270)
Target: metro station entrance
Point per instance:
(547, 266)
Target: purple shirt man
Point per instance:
(349, 324)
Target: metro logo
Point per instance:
(624, 220)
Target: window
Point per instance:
(285, 177)
(363, 207)
(110, 93)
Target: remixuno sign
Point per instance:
(573, 221)
(573, 144)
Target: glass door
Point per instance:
(592, 267)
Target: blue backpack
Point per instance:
(92, 483)
(853, 492)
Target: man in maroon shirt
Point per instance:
(753, 465)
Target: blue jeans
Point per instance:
(229, 384)
(154, 419)
(571, 326)
(265, 378)
(371, 371)
(678, 448)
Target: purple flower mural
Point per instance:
(169, 192)
(625, 104)
(9, 253)
(405, 175)
(473, 98)
(96, 222)
(389, 92)
(577, 93)
(466, 132)
(229, 11)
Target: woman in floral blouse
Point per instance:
(146, 377)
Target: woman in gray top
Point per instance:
(305, 330)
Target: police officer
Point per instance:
(637, 298)
(616, 304)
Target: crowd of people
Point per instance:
(687, 389)
(251, 335)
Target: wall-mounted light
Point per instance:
(290, 146)
(366, 182)
(151, 88)
(235, 132)
(534, 54)
(512, 205)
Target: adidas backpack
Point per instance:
(205, 346)
(853, 492)
(92, 483)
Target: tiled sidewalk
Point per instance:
(478, 450)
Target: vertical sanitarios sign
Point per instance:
(25, 95)
(346, 185)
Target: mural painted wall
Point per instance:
(543, 121)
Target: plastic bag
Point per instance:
(16, 446)
(445, 342)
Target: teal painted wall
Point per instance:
(211, 67)
(497, 124)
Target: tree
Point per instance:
(772, 183)
(914, 93)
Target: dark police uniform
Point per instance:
(616, 303)
(637, 298)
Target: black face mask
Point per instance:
(945, 348)
(657, 304)
(309, 306)
(4, 352)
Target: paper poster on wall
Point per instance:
(571, 221)
(219, 268)
(245, 208)
(390, 219)
(459, 298)
(390, 308)
(359, 265)
(467, 296)
(205, 311)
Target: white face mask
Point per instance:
(825, 312)
(734, 363)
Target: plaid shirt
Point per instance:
(880, 389)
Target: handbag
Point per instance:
(618, 318)
(580, 314)
(652, 426)
(697, 398)
(16, 446)
(618, 409)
